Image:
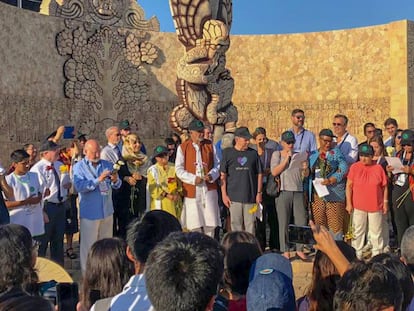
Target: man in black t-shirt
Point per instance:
(241, 181)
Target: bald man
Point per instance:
(94, 180)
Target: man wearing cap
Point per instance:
(345, 142)
(94, 180)
(197, 165)
(366, 197)
(304, 139)
(241, 181)
(54, 184)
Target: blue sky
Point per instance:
(294, 16)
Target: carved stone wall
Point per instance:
(366, 73)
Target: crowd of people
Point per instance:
(130, 202)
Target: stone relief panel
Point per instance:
(108, 57)
(120, 13)
(204, 84)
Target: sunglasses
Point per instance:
(337, 124)
(300, 117)
(399, 137)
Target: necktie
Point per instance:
(57, 179)
(118, 152)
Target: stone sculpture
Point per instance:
(108, 57)
(204, 85)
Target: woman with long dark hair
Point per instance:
(108, 269)
(320, 294)
(19, 253)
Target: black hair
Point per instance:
(142, 236)
(183, 271)
(17, 257)
(402, 273)
(19, 155)
(367, 125)
(297, 110)
(390, 121)
(370, 286)
(26, 303)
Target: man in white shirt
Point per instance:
(347, 143)
(391, 126)
(54, 182)
(197, 165)
(112, 152)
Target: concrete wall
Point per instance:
(366, 73)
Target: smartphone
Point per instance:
(300, 234)
(69, 132)
(67, 296)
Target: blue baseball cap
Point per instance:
(270, 286)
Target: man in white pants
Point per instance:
(94, 179)
(197, 165)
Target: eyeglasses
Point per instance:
(290, 142)
(300, 117)
(337, 124)
(327, 141)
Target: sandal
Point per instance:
(70, 253)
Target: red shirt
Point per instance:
(368, 182)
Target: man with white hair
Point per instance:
(94, 180)
(111, 152)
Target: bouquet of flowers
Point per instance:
(350, 234)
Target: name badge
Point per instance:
(103, 188)
(401, 180)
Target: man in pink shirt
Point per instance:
(366, 195)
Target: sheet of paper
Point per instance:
(297, 159)
(321, 190)
(395, 163)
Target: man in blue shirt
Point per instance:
(305, 140)
(94, 179)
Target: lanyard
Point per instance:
(301, 139)
(342, 142)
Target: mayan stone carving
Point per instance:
(108, 57)
(204, 85)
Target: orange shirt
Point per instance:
(368, 182)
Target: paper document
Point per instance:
(297, 159)
(395, 163)
(321, 190)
